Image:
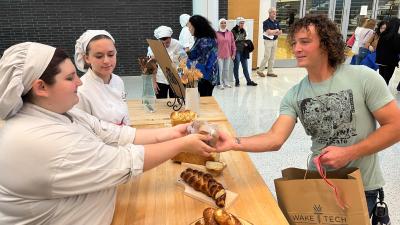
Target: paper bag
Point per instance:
(312, 201)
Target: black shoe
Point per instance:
(237, 84)
(251, 83)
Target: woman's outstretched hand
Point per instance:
(196, 143)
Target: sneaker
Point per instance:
(221, 87)
(237, 84)
(252, 83)
(261, 74)
(227, 86)
(271, 75)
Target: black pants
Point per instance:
(205, 87)
(164, 90)
(386, 72)
(372, 197)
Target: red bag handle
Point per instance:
(321, 170)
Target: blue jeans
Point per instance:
(362, 52)
(240, 59)
(371, 197)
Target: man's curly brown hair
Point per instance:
(331, 39)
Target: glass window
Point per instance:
(339, 13)
(355, 17)
(287, 13)
(317, 7)
(387, 9)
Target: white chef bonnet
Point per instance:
(82, 43)
(184, 19)
(239, 19)
(162, 31)
(20, 66)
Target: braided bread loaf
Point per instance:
(205, 183)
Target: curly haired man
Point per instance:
(337, 104)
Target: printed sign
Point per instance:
(165, 62)
(364, 10)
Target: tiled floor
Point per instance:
(252, 110)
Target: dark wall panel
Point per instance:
(60, 22)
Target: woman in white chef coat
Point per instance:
(102, 93)
(175, 52)
(59, 164)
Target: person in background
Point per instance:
(338, 105)
(175, 52)
(355, 46)
(226, 53)
(290, 19)
(185, 37)
(371, 44)
(239, 33)
(373, 41)
(388, 50)
(362, 35)
(63, 165)
(203, 55)
(102, 93)
(272, 30)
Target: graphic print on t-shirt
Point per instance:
(329, 118)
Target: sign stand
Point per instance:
(170, 72)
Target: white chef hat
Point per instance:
(82, 43)
(184, 19)
(162, 31)
(239, 19)
(20, 66)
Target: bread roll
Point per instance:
(219, 217)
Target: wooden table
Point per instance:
(154, 198)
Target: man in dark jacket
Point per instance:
(239, 33)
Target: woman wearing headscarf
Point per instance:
(204, 53)
(185, 37)
(226, 53)
(59, 164)
(102, 93)
(388, 50)
(175, 52)
(239, 34)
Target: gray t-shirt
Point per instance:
(338, 112)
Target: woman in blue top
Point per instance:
(204, 53)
